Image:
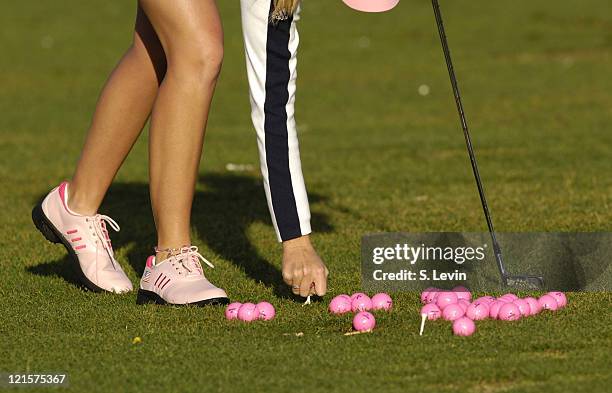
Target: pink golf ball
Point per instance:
(432, 311)
(494, 309)
(432, 296)
(464, 304)
(266, 311)
(231, 311)
(477, 311)
(364, 321)
(534, 306)
(462, 293)
(425, 293)
(446, 298)
(512, 297)
(463, 327)
(340, 304)
(560, 298)
(248, 312)
(361, 303)
(548, 302)
(485, 299)
(424, 297)
(509, 312)
(452, 312)
(357, 295)
(523, 306)
(382, 301)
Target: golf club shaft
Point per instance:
(468, 140)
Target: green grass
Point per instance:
(377, 157)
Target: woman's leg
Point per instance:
(271, 51)
(123, 107)
(192, 37)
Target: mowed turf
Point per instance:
(377, 156)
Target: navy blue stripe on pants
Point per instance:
(275, 126)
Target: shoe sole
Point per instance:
(50, 232)
(146, 297)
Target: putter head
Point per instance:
(528, 282)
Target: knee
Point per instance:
(211, 60)
(199, 61)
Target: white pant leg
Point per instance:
(271, 57)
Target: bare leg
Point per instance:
(192, 37)
(123, 107)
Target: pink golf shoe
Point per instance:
(86, 240)
(179, 280)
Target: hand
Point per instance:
(303, 269)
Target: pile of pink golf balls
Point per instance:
(249, 312)
(457, 306)
(361, 304)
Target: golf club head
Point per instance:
(529, 282)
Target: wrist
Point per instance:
(298, 242)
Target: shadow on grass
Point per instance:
(63, 268)
(221, 215)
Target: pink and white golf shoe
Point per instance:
(86, 240)
(179, 280)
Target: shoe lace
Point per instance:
(99, 224)
(191, 254)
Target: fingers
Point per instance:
(314, 281)
(303, 283)
(288, 277)
(320, 281)
(298, 278)
(306, 286)
(305, 272)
